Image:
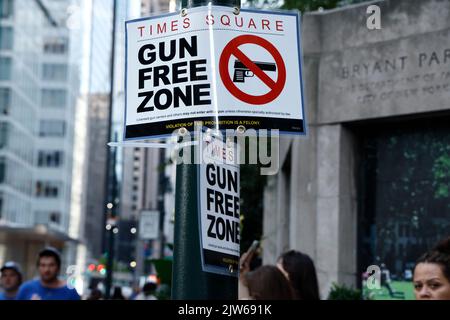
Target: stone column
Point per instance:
(336, 208)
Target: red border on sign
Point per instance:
(232, 49)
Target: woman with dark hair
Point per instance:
(300, 271)
(432, 273)
(268, 283)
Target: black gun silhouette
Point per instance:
(241, 71)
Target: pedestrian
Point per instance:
(10, 280)
(148, 292)
(386, 281)
(95, 294)
(267, 283)
(117, 294)
(135, 292)
(299, 269)
(431, 276)
(48, 286)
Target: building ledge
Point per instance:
(39, 232)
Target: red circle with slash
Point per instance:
(232, 48)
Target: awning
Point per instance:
(39, 232)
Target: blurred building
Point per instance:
(142, 176)
(54, 90)
(19, 94)
(39, 87)
(149, 7)
(59, 86)
(95, 207)
(370, 182)
(98, 125)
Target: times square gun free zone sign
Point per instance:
(213, 66)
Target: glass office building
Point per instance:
(39, 88)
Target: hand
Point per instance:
(244, 262)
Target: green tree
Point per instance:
(310, 5)
(252, 193)
(302, 5)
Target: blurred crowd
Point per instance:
(293, 277)
(48, 285)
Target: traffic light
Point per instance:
(97, 268)
(101, 269)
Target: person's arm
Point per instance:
(243, 293)
(244, 263)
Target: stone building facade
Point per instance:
(361, 85)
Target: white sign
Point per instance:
(149, 225)
(245, 69)
(219, 211)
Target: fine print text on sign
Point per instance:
(213, 66)
(219, 213)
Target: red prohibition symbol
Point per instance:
(232, 48)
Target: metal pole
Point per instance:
(161, 209)
(110, 176)
(189, 281)
(109, 263)
(112, 214)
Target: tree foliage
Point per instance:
(252, 192)
(310, 5)
(301, 5)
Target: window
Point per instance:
(405, 193)
(56, 45)
(5, 68)
(54, 217)
(2, 169)
(56, 72)
(48, 189)
(1, 205)
(50, 158)
(6, 8)
(6, 38)
(48, 217)
(52, 128)
(53, 98)
(5, 100)
(3, 134)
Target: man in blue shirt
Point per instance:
(10, 280)
(48, 286)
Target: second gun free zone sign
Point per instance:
(213, 65)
